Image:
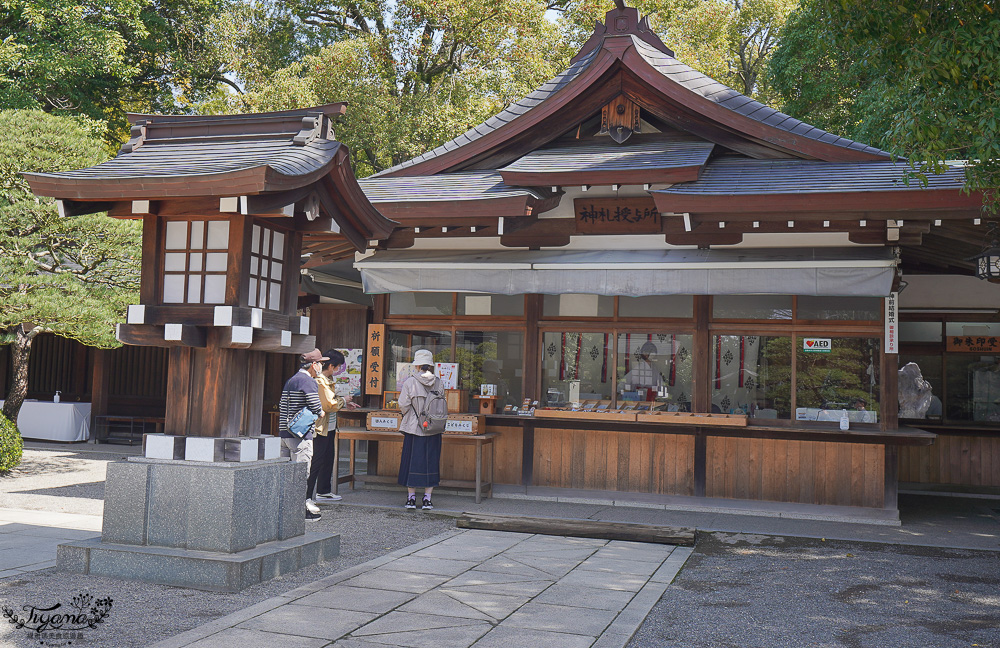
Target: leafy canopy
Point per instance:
(72, 276)
(103, 59)
(415, 72)
(920, 78)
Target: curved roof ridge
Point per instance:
(505, 116)
(726, 97)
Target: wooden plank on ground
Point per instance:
(579, 528)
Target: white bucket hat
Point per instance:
(423, 357)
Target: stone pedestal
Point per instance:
(206, 525)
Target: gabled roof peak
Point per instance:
(622, 21)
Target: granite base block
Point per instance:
(202, 570)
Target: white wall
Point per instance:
(949, 291)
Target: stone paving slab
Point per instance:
(465, 589)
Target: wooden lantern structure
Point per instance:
(229, 205)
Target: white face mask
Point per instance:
(427, 374)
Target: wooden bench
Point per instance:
(479, 440)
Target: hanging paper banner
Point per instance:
(891, 323)
(718, 362)
(743, 351)
(604, 364)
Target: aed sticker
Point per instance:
(816, 345)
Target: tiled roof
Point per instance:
(445, 187)
(639, 152)
(726, 97)
(732, 176)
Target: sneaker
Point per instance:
(328, 497)
(312, 516)
(411, 502)
(426, 506)
(311, 506)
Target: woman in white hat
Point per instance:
(419, 465)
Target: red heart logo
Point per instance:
(809, 342)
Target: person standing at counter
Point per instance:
(644, 375)
(419, 464)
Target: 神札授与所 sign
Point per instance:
(616, 215)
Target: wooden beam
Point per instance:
(152, 335)
(579, 528)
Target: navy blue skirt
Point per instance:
(420, 463)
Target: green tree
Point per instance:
(727, 40)
(415, 72)
(103, 59)
(920, 78)
(70, 276)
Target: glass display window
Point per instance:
(655, 370)
(743, 307)
(658, 306)
(400, 347)
(488, 305)
(421, 303)
(578, 305)
(752, 375)
(576, 367)
(491, 358)
(865, 309)
(920, 331)
(972, 382)
(931, 371)
(845, 377)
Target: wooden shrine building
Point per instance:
(687, 289)
(690, 289)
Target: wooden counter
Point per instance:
(784, 461)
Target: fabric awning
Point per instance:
(860, 272)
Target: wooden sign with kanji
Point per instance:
(375, 359)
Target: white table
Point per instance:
(50, 421)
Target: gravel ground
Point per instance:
(749, 591)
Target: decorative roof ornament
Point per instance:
(622, 21)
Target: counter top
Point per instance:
(794, 430)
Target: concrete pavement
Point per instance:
(465, 588)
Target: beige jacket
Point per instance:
(331, 403)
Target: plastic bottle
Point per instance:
(845, 423)
(55, 399)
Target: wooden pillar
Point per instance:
(891, 477)
(253, 399)
(152, 230)
(81, 366)
(890, 391)
(178, 391)
(700, 462)
(238, 272)
(528, 453)
(701, 399)
(532, 348)
(100, 383)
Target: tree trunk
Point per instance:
(20, 350)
